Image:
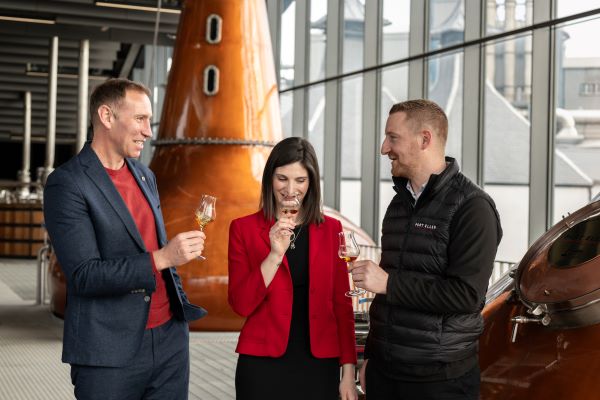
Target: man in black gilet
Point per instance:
(439, 239)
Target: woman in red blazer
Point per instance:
(285, 277)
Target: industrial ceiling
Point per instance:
(117, 32)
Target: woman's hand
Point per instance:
(362, 376)
(280, 236)
(347, 385)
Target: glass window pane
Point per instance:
(396, 25)
(288, 44)
(318, 39)
(286, 104)
(316, 120)
(507, 15)
(506, 139)
(569, 7)
(446, 23)
(577, 127)
(445, 87)
(351, 148)
(354, 35)
(394, 89)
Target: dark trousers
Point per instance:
(160, 370)
(381, 387)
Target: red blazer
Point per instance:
(269, 309)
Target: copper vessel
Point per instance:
(219, 122)
(541, 330)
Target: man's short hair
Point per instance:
(112, 92)
(422, 112)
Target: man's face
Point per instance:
(402, 145)
(131, 125)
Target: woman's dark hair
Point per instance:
(289, 151)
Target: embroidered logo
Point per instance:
(422, 225)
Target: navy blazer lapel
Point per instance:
(95, 170)
(153, 200)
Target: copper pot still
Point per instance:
(219, 122)
(542, 327)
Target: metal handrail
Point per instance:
(42, 258)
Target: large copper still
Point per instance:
(219, 122)
(542, 329)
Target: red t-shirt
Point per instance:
(138, 206)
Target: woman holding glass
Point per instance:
(286, 278)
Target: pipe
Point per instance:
(26, 138)
(52, 88)
(82, 110)
(40, 295)
(24, 175)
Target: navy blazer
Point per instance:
(107, 268)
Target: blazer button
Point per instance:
(146, 299)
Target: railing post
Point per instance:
(41, 275)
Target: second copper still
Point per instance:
(542, 328)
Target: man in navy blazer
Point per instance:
(126, 331)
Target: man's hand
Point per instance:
(368, 275)
(181, 249)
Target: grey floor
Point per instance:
(30, 346)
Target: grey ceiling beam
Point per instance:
(62, 62)
(36, 89)
(64, 44)
(38, 134)
(38, 104)
(57, 7)
(14, 124)
(11, 69)
(15, 48)
(121, 24)
(7, 98)
(8, 116)
(85, 32)
(36, 80)
(18, 137)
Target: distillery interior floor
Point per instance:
(30, 346)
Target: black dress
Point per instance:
(297, 374)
